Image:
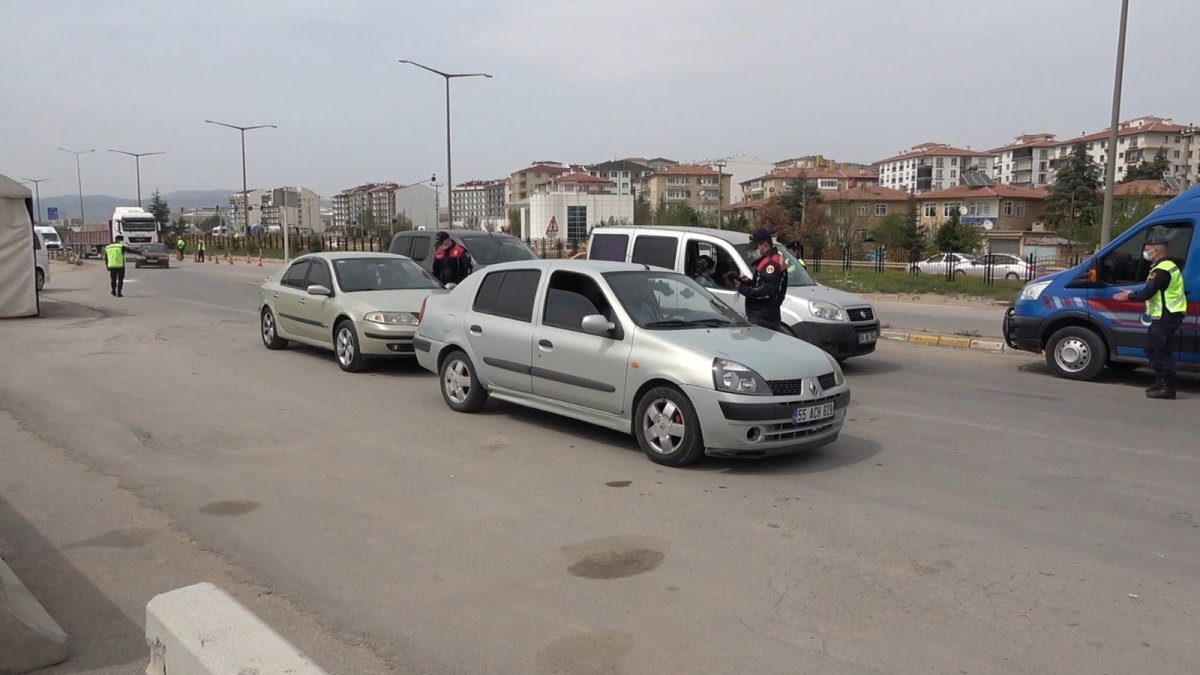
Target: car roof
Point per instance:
(343, 255)
(455, 233)
(731, 236)
(579, 265)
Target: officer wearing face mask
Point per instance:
(1166, 305)
(765, 291)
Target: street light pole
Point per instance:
(246, 190)
(1110, 175)
(37, 185)
(79, 180)
(449, 160)
(720, 164)
(137, 161)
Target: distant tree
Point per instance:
(367, 220)
(773, 217)
(159, 208)
(955, 236)
(799, 201)
(1130, 209)
(514, 222)
(1148, 170)
(676, 214)
(643, 214)
(1074, 202)
(738, 223)
(890, 231)
(402, 222)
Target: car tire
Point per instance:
(958, 274)
(269, 330)
(1076, 353)
(346, 349)
(39, 278)
(1012, 276)
(663, 415)
(460, 387)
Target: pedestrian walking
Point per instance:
(765, 291)
(114, 259)
(451, 262)
(1166, 305)
(201, 249)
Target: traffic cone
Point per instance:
(260, 261)
(247, 258)
(228, 258)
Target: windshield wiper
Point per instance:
(692, 323)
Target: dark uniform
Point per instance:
(765, 291)
(1166, 305)
(450, 264)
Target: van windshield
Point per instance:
(797, 274)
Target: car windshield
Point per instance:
(492, 250)
(797, 275)
(662, 300)
(50, 236)
(153, 248)
(381, 274)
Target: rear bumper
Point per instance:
(1022, 332)
(840, 340)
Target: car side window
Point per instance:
(656, 250)
(489, 290)
(318, 275)
(517, 294)
(296, 274)
(571, 296)
(420, 247)
(401, 245)
(608, 247)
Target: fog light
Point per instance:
(754, 434)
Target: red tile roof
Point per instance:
(938, 149)
(580, 177)
(1028, 141)
(746, 205)
(1156, 126)
(999, 190)
(545, 168)
(872, 193)
(1151, 187)
(851, 174)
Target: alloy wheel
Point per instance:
(663, 427)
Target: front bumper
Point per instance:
(840, 340)
(761, 426)
(1022, 332)
(154, 262)
(381, 340)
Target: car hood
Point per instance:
(392, 301)
(826, 294)
(773, 355)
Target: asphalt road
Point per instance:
(949, 318)
(977, 516)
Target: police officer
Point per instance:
(765, 291)
(1166, 305)
(201, 249)
(451, 262)
(114, 259)
(181, 245)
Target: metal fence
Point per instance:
(962, 267)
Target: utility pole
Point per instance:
(37, 184)
(137, 160)
(245, 190)
(79, 179)
(437, 205)
(1110, 177)
(720, 164)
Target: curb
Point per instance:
(942, 340)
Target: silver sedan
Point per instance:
(359, 305)
(641, 350)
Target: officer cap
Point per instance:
(761, 235)
(442, 236)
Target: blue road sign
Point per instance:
(51, 213)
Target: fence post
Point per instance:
(846, 259)
(880, 257)
(816, 261)
(949, 264)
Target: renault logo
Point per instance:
(813, 387)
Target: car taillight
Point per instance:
(421, 314)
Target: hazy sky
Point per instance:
(577, 81)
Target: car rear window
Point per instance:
(509, 294)
(608, 247)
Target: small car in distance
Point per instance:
(642, 350)
(152, 255)
(41, 268)
(1003, 266)
(936, 264)
(359, 305)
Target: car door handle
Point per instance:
(545, 344)
(303, 301)
(476, 330)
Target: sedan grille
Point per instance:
(861, 314)
(796, 387)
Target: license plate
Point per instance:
(864, 338)
(812, 413)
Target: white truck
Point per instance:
(134, 223)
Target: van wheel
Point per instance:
(1076, 353)
(40, 279)
(1012, 275)
(667, 427)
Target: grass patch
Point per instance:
(903, 283)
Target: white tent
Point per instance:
(18, 286)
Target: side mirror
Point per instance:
(319, 290)
(451, 286)
(596, 324)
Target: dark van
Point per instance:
(486, 248)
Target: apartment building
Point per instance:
(1140, 139)
(1025, 162)
(385, 202)
(624, 173)
(523, 183)
(781, 180)
(479, 202)
(930, 166)
(696, 185)
(569, 206)
(1158, 191)
(1191, 154)
(819, 162)
(237, 217)
(298, 207)
(993, 208)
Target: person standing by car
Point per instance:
(795, 249)
(114, 259)
(765, 292)
(451, 262)
(1166, 305)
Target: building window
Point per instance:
(677, 194)
(864, 210)
(1007, 208)
(881, 209)
(953, 161)
(938, 161)
(954, 173)
(679, 180)
(931, 210)
(937, 174)
(577, 222)
(1041, 178)
(832, 183)
(949, 207)
(1020, 210)
(1177, 154)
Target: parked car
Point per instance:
(41, 261)
(152, 255)
(360, 305)
(937, 264)
(485, 248)
(1003, 266)
(641, 350)
(841, 323)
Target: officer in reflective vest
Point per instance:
(765, 291)
(201, 249)
(1166, 305)
(181, 245)
(114, 258)
(794, 249)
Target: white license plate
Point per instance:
(812, 413)
(864, 338)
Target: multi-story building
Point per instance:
(1191, 154)
(525, 182)
(781, 180)
(298, 207)
(624, 174)
(569, 206)
(1138, 140)
(1025, 162)
(930, 166)
(383, 203)
(479, 202)
(699, 186)
(1002, 212)
(819, 162)
(237, 202)
(853, 208)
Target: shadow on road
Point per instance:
(99, 635)
(1135, 380)
(847, 450)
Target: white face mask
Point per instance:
(1148, 255)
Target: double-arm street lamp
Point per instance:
(137, 161)
(37, 191)
(79, 180)
(449, 163)
(245, 190)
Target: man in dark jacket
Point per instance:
(765, 291)
(451, 262)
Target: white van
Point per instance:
(841, 323)
(41, 261)
(50, 237)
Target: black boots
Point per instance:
(1163, 388)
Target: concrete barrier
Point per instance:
(201, 629)
(29, 638)
(942, 340)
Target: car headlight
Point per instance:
(826, 311)
(839, 378)
(733, 377)
(392, 318)
(1033, 291)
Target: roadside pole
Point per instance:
(283, 223)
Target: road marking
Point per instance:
(209, 304)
